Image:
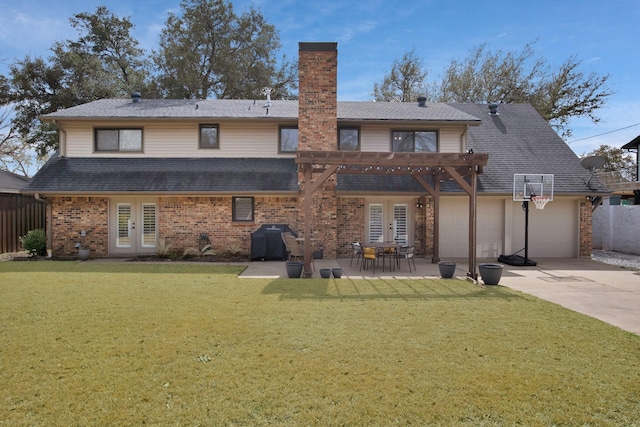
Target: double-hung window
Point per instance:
(349, 138)
(242, 208)
(414, 141)
(288, 140)
(118, 139)
(209, 136)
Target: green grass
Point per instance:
(175, 344)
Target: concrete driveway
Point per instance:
(606, 292)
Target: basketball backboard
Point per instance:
(527, 185)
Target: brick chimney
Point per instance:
(318, 131)
(318, 96)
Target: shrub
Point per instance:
(163, 249)
(196, 252)
(35, 242)
(234, 250)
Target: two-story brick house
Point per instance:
(132, 171)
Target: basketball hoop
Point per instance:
(540, 201)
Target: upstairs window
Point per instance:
(414, 141)
(288, 139)
(209, 136)
(242, 209)
(349, 139)
(118, 139)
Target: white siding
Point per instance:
(378, 137)
(179, 138)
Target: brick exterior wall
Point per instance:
(318, 96)
(351, 224)
(181, 220)
(318, 131)
(71, 215)
(351, 216)
(586, 229)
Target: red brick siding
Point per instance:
(351, 215)
(351, 224)
(586, 229)
(181, 220)
(318, 100)
(71, 215)
(318, 131)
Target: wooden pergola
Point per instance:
(463, 168)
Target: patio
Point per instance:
(424, 269)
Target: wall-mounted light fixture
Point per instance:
(420, 203)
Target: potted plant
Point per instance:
(490, 273)
(447, 269)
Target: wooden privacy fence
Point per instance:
(19, 214)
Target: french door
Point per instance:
(389, 221)
(134, 226)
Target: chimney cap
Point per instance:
(317, 46)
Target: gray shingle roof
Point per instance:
(12, 183)
(519, 140)
(247, 109)
(158, 175)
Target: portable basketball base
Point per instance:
(528, 187)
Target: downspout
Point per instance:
(463, 140)
(48, 214)
(62, 142)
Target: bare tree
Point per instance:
(524, 77)
(405, 82)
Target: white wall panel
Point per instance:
(553, 232)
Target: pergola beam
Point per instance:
(439, 166)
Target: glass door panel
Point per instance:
(123, 220)
(148, 225)
(400, 223)
(376, 222)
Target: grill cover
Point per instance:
(267, 244)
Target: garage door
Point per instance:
(454, 227)
(553, 232)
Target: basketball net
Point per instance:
(540, 201)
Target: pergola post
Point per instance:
(456, 166)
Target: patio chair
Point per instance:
(408, 253)
(369, 256)
(296, 251)
(356, 251)
(402, 252)
(387, 254)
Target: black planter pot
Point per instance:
(337, 272)
(294, 269)
(325, 273)
(447, 269)
(490, 273)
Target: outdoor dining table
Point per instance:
(386, 245)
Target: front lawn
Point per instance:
(129, 344)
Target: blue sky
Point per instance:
(372, 33)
